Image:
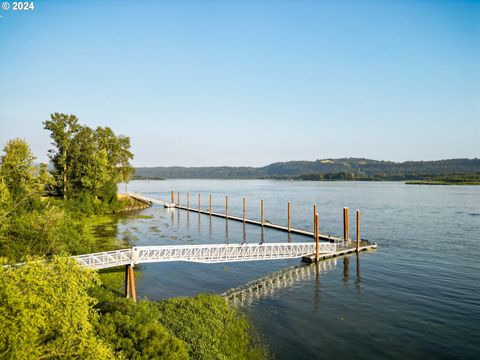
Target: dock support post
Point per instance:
(317, 236)
(198, 202)
(263, 211)
(358, 231)
(127, 283)
(346, 235)
(188, 201)
(133, 290)
(314, 225)
(172, 196)
(288, 216)
(244, 209)
(178, 199)
(210, 204)
(130, 290)
(226, 207)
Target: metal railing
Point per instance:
(211, 253)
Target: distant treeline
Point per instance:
(326, 169)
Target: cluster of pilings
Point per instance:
(316, 225)
(130, 291)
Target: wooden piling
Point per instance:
(226, 207)
(244, 209)
(178, 199)
(317, 237)
(127, 283)
(358, 231)
(210, 204)
(263, 212)
(172, 197)
(131, 277)
(188, 201)
(346, 235)
(314, 224)
(288, 216)
(199, 203)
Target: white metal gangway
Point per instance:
(210, 253)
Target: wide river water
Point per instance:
(416, 296)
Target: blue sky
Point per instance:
(197, 83)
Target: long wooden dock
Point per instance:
(265, 224)
(344, 245)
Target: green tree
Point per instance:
(62, 129)
(46, 311)
(5, 208)
(119, 155)
(17, 170)
(45, 179)
(88, 163)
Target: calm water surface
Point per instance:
(417, 296)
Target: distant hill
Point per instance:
(326, 169)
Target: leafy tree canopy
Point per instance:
(46, 311)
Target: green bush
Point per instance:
(210, 328)
(135, 332)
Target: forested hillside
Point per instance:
(326, 169)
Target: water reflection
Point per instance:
(346, 261)
(226, 232)
(317, 286)
(268, 285)
(358, 279)
(210, 228)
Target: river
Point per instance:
(416, 296)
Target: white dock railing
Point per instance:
(211, 253)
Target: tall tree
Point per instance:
(62, 129)
(17, 169)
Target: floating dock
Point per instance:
(344, 245)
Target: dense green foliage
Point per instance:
(88, 163)
(47, 312)
(135, 332)
(326, 169)
(210, 328)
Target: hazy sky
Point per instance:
(249, 82)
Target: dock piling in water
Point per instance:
(346, 235)
(226, 207)
(244, 208)
(199, 202)
(210, 204)
(188, 201)
(172, 197)
(317, 237)
(358, 231)
(263, 211)
(288, 216)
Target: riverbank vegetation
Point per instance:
(50, 307)
(455, 179)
